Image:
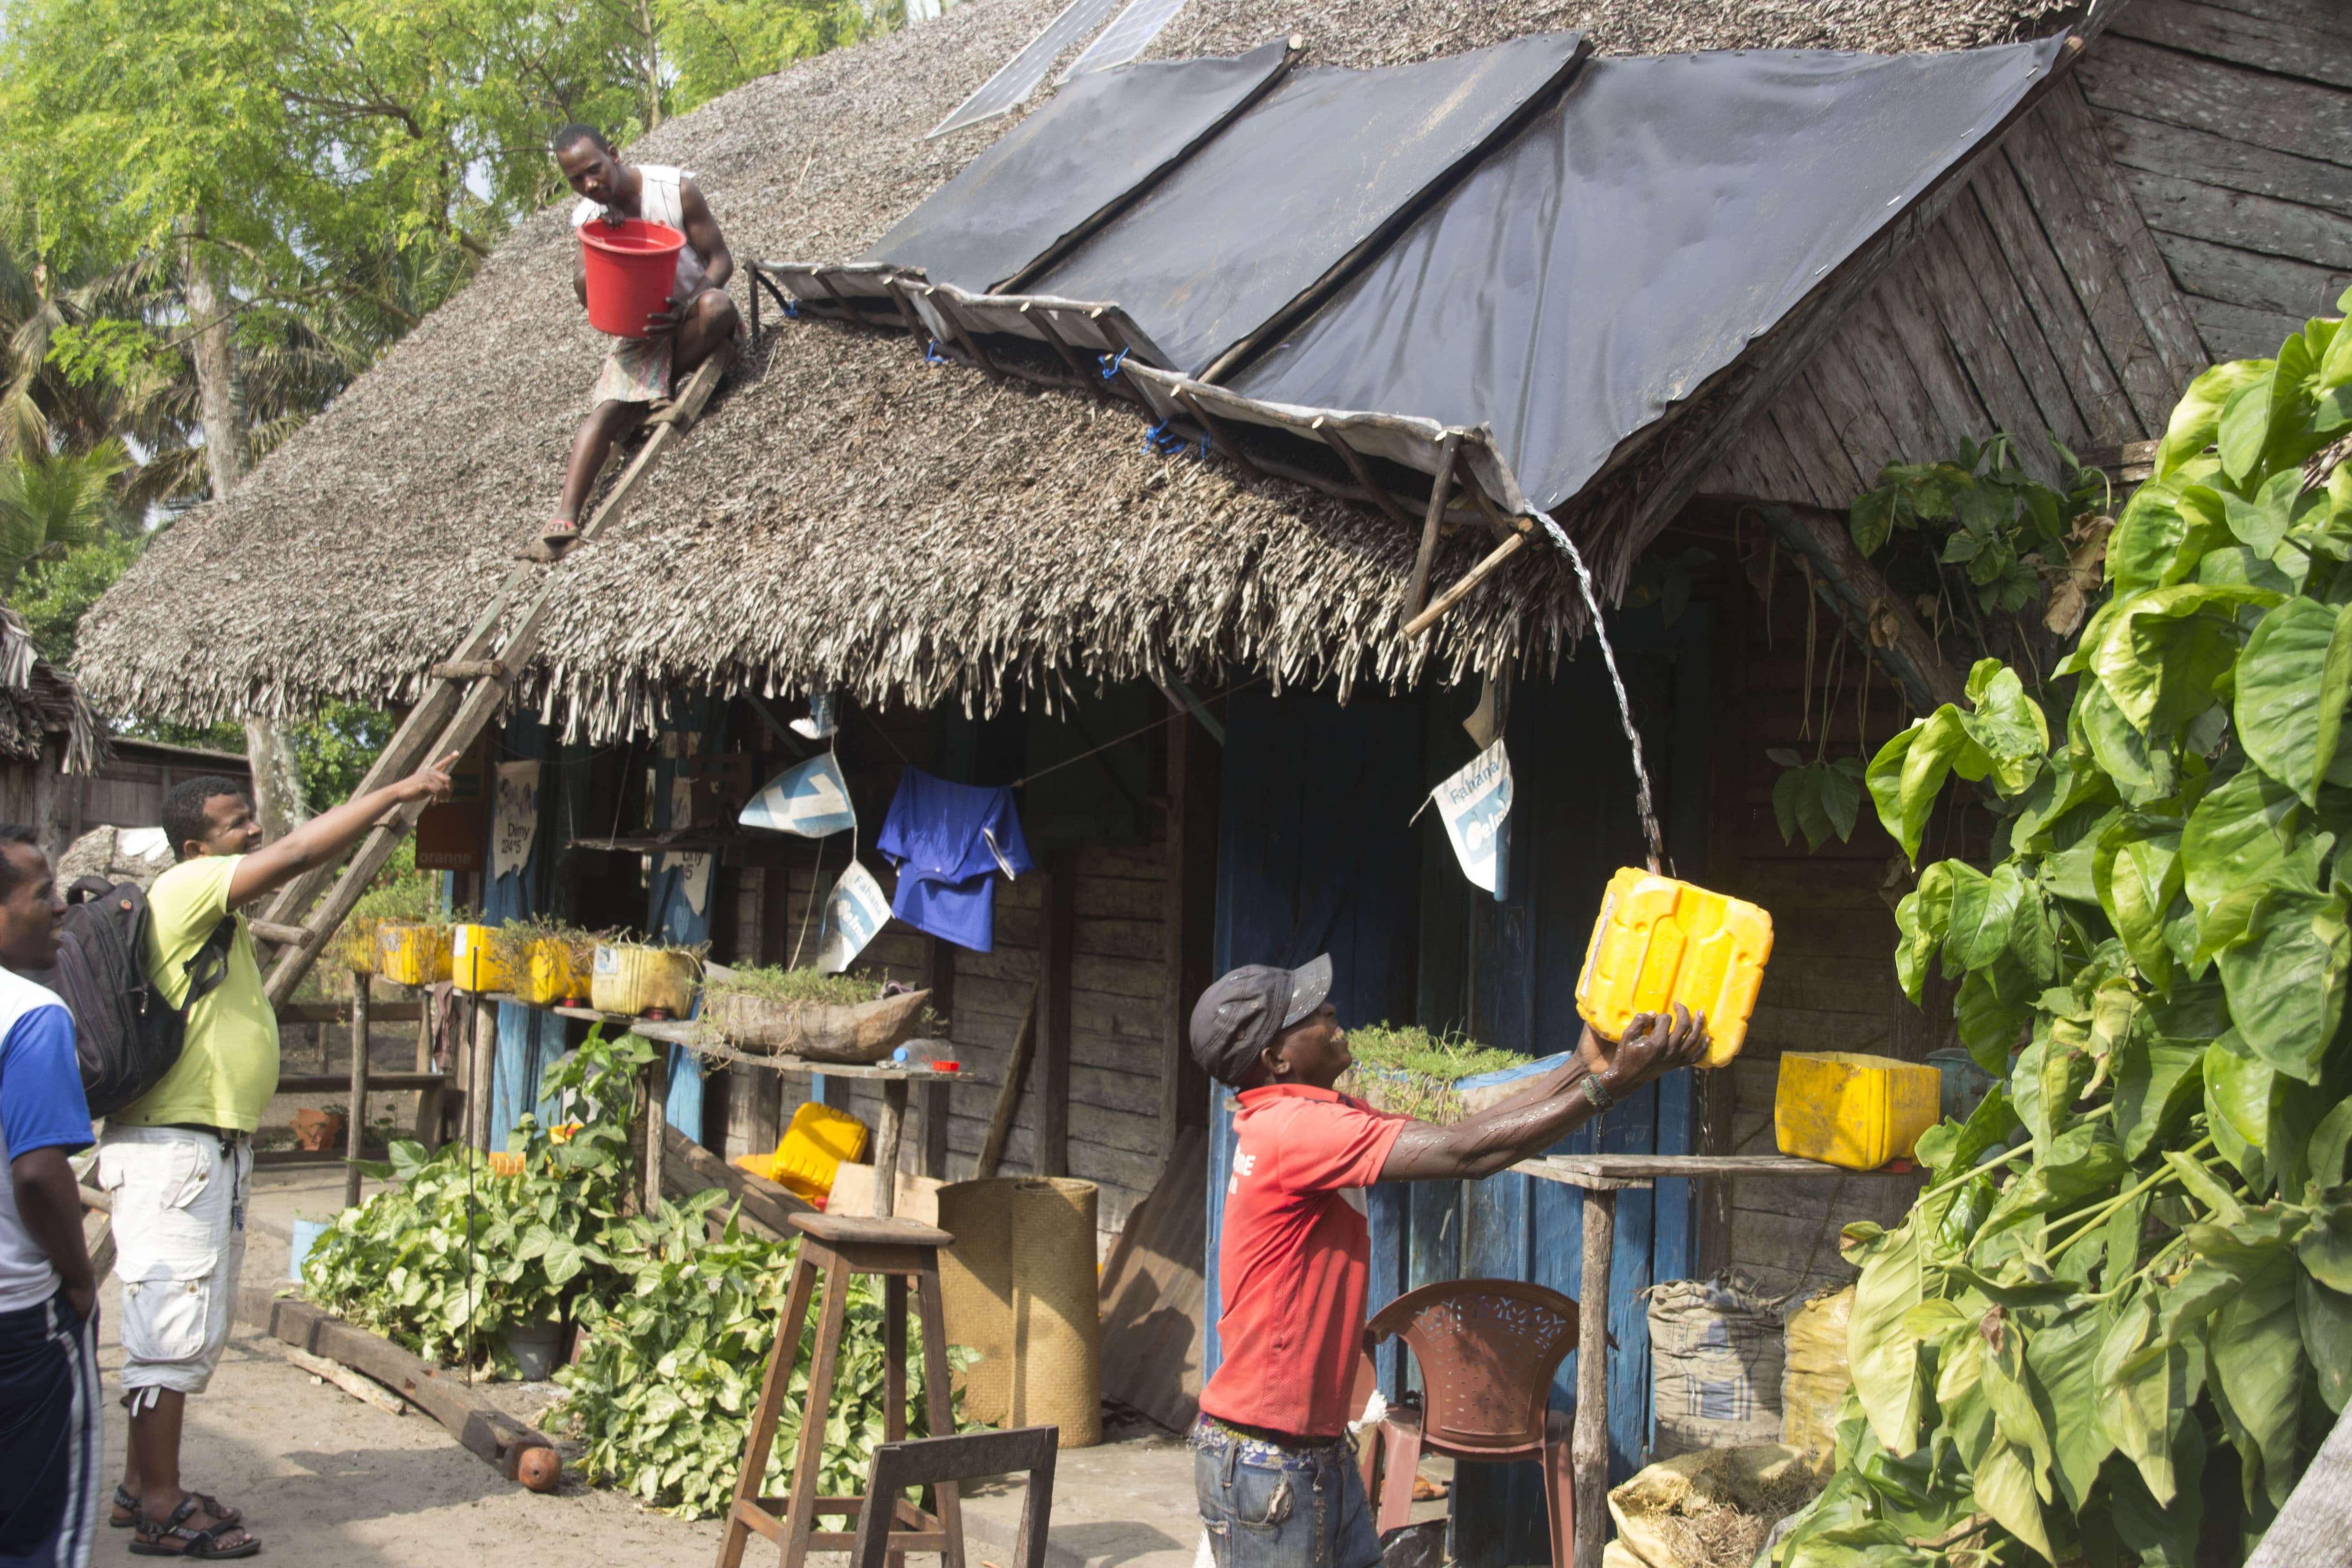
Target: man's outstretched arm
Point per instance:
(322, 840)
(1479, 1146)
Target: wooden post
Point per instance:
(1591, 1440)
(1187, 911)
(1008, 1093)
(939, 978)
(1052, 1123)
(481, 1056)
(654, 1116)
(889, 1130)
(1416, 593)
(355, 1131)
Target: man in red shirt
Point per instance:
(1272, 1464)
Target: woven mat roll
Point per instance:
(1057, 1315)
(976, 1292)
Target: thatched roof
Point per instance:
(39, 700)
(847, 515)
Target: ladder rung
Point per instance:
(469, 669)
(270, 930)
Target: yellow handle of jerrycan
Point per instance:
(1659, 942)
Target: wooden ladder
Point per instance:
(461, 697)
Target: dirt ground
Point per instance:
(324, 1477)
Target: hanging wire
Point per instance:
(1131, 734)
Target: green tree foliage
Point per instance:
(51, 502)
(2133, 1265)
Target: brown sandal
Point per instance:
(177, 1538)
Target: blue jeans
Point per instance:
(1266, 1505)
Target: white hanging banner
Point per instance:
(514, 819)
(1476, 804)
(823, 717)
(855, 909)
(693, 878)
(811, 800)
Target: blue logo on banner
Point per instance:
(811, 800)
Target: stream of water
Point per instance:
(1617, 682)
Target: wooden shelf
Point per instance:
(1593, 1172)
(702, 1043)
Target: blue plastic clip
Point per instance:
(1110, 363)
(792, 309)
(932, 355)
(1164, 442)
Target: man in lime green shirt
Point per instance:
(179, 1160)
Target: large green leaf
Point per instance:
(2325, 1318)
(2135, 872)
(2234, 845)
(2160, 540)
(1984, 914)
(2004, 1489)
(2141, 1394)
(2258, 1366)
(1922, 917)
(2166, 648)
(2239, 1088)
(1881, 1349)
(2197, 417)
(2158, 1084)
(2286, 981)
(2292, 684)
(2142, 775)
(2163, 1536)
(2061, 1356)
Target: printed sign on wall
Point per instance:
(1476, 804)
(811, 800)
(514, 820)
(852, 913)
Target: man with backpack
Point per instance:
(178, 1159)
(49, 1438)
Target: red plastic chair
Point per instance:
(1486, 1350)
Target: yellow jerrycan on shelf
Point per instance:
(1659, 942)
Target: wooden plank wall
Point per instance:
(2232, 122)
(2037, 302)
(1120, 1005)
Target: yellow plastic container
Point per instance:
(550, 979)
(473, 962)
(1659, 942)
(638, 981)
(1845, 1109)
(412, 954)
(814, 1148)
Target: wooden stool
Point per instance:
(898, 1250)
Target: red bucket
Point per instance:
(632, 269)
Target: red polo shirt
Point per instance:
(1296, 1258)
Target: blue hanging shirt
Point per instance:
(949, 842)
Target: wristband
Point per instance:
(1598, 1092)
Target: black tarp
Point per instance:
(1098, 139)
(1633, 240)
(1243, 228)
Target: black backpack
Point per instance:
(125, 1033)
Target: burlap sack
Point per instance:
(1019, 1288)
(1815, 1376)
(1716, 1353)
(976, 1292)
(1057, 1312)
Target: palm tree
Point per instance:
(52, 501)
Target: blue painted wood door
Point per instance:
(1314, 854)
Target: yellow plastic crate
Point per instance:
(636, 981)
(813, 1150)
(1842, 1108)
(1659, 942)
(474, 961)
(412, 954)
(550, 979)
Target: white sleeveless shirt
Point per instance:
(659, 200)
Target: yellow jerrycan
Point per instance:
(1659, 942)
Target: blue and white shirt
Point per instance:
(41, 1106)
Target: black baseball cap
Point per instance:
(1239, 1016)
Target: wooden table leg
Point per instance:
(1591, 1441)
(939, 1405)
(886, 1136)
(761, 1436)
(355, 1128)
(481, 1060)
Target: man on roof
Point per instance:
(1276, 1480)
(701, 319)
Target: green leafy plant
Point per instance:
(1817, 798)
(2001, 526)
(1413, 1072)
(454, 1256)
(663, 1394)
(776, 984)
(2133, 1264)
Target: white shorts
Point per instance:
(179, 1245)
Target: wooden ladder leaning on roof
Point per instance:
(463, 694)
